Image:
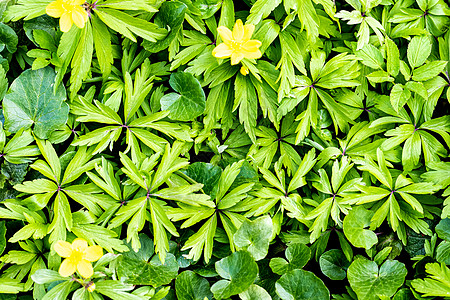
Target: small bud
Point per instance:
(91, 287)
(244, 70)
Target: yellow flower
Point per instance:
(69, 11)
(237, 44)
(78, 257)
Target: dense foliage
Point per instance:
(219, 149)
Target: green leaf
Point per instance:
(43, 276)
(10, 286)
(8, 38)
(354, 223)
(2, 237)
(399, 96)
(254, 236)
(31, 102)
(154, 273)
(443, 229)
(190, 286)
(301, 285)
(59, 292)
(436, 284)
(297, 254)
(189, 103)
(334, 264)
(246, 99)
(240, 269)
(393, 57)
(127, 25)
(418, 50)
(261, 9)
(206, 174)
(170, 15)
(371, 57)
(255, 292)
(102, 45)
(429, 70)
(369, 282)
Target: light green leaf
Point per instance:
(255, 292)
(354, 223)
(154, 273)
(438, 282)
(254, 236)
(369, 282)
(418, 50)
(240, 269)
(429, 70)
(301, 285)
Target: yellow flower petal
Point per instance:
(65, 23)
(55, 9)
(248, 31)
(63, 248)
(222, 51)
(225, 34)
(79, 17)
(238, 31)
(79, 244)
(251, 46)
(236, 57)
(253, 54)
(85, 268)
(93, 253)
(77, 2)
(67, 268)
(244, 70)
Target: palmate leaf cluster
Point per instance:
(323, 173)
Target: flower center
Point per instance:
(77, 255)
(236, 46)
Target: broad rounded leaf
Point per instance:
(443, 229)
(206, 174)
(368, 281)
(190, 286)
(254, 236)
(301, 285)
(154, 273)
(354, 223)
(240, 269)
(255, 292)
(334, 264)
(297, 254)
(189, 103)
(31, 101)
(8, 38)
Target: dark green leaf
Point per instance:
(31, 102)
(189, 103)
(190, 286)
